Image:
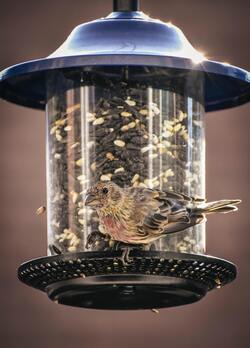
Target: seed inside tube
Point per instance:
(169, 172)
(93, 167)
(74, 145)
(57, 155)
(73, 108)
(143, 112)
(79, 162)
(53, 130)
(125, 128)
(167, 134)
(169, 127)
(177, 127)
(81, 177)
(197, 123)
(155, 109)
(90, 144)
(156, 183)
(106, 177)
(135, 184)
(58, 136)
(119, 170)
(119, 143)
(110, 156)
(90, 116)
(98, 121)
(182, 115)
(135, 178)
(141, 184)
(81, 212)
(153, 155)
(74, 196)
(126, 114)
(147, 148)
(131, 125)
(61, 122)
(155, 139)
(130, 102)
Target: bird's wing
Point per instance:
(154, 209)
(181, 197)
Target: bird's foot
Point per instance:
(146, 247)
(126, 260)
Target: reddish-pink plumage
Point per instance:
(115, 228)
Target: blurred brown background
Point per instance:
(33, 29)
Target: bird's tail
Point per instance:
(223, 206)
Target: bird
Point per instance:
(140, 216)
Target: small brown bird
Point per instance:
(137, 215)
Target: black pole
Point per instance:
(126, 5)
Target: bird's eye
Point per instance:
(105, 190)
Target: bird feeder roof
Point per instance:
(126, 39)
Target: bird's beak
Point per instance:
(91, 200)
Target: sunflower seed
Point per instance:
(106, 177)
(41, 210)
(143, 112)
(98, 121)
(130, 102)
(119, 143)
(119, 170)
(126, 114)
(79, 162)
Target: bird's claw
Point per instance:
(126, 260)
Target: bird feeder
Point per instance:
(125, 99)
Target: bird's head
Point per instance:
(103, 195)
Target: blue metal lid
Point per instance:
(130, 39)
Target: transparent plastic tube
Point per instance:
(134, 134)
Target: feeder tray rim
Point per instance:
(138, 253)
(173, 278)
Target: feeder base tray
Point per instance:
(126, 292)
(154, 279)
